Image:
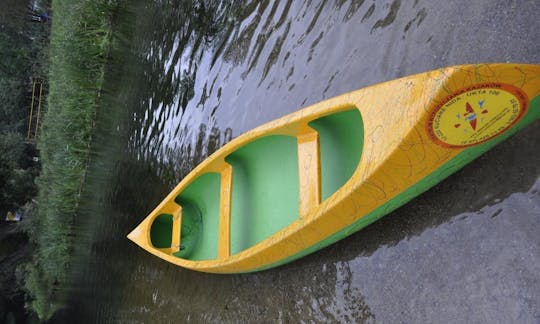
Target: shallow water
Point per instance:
(186, 78)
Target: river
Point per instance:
(187, 76)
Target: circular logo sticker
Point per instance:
(476, 114)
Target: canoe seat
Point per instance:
(165, 229)
(309, 170)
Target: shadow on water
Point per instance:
(187, 76)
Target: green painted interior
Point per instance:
(200, 218)
(423, 185)
(161, 231)
(265, 189)
(341, 138)
(190, 234)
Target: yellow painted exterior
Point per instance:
(401, 147)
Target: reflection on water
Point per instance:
(187, 76)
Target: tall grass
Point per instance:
(80, 40)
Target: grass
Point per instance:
(80, 41)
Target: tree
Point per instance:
(15, 64)
(16, 184)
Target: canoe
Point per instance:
(311, 178)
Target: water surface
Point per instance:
(189, 76)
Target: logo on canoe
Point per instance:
(476, 114)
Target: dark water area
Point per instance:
(187, 76)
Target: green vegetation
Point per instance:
(23, 49)
(80, 40)
(23, 56)
(71, 56)
(17, 173)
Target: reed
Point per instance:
(80, 40)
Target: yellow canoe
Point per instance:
(306, 180)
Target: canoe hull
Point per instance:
(415, 131)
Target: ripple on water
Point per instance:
(390, 17)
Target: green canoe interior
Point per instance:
(265, 198)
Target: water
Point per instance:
(187, 76)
